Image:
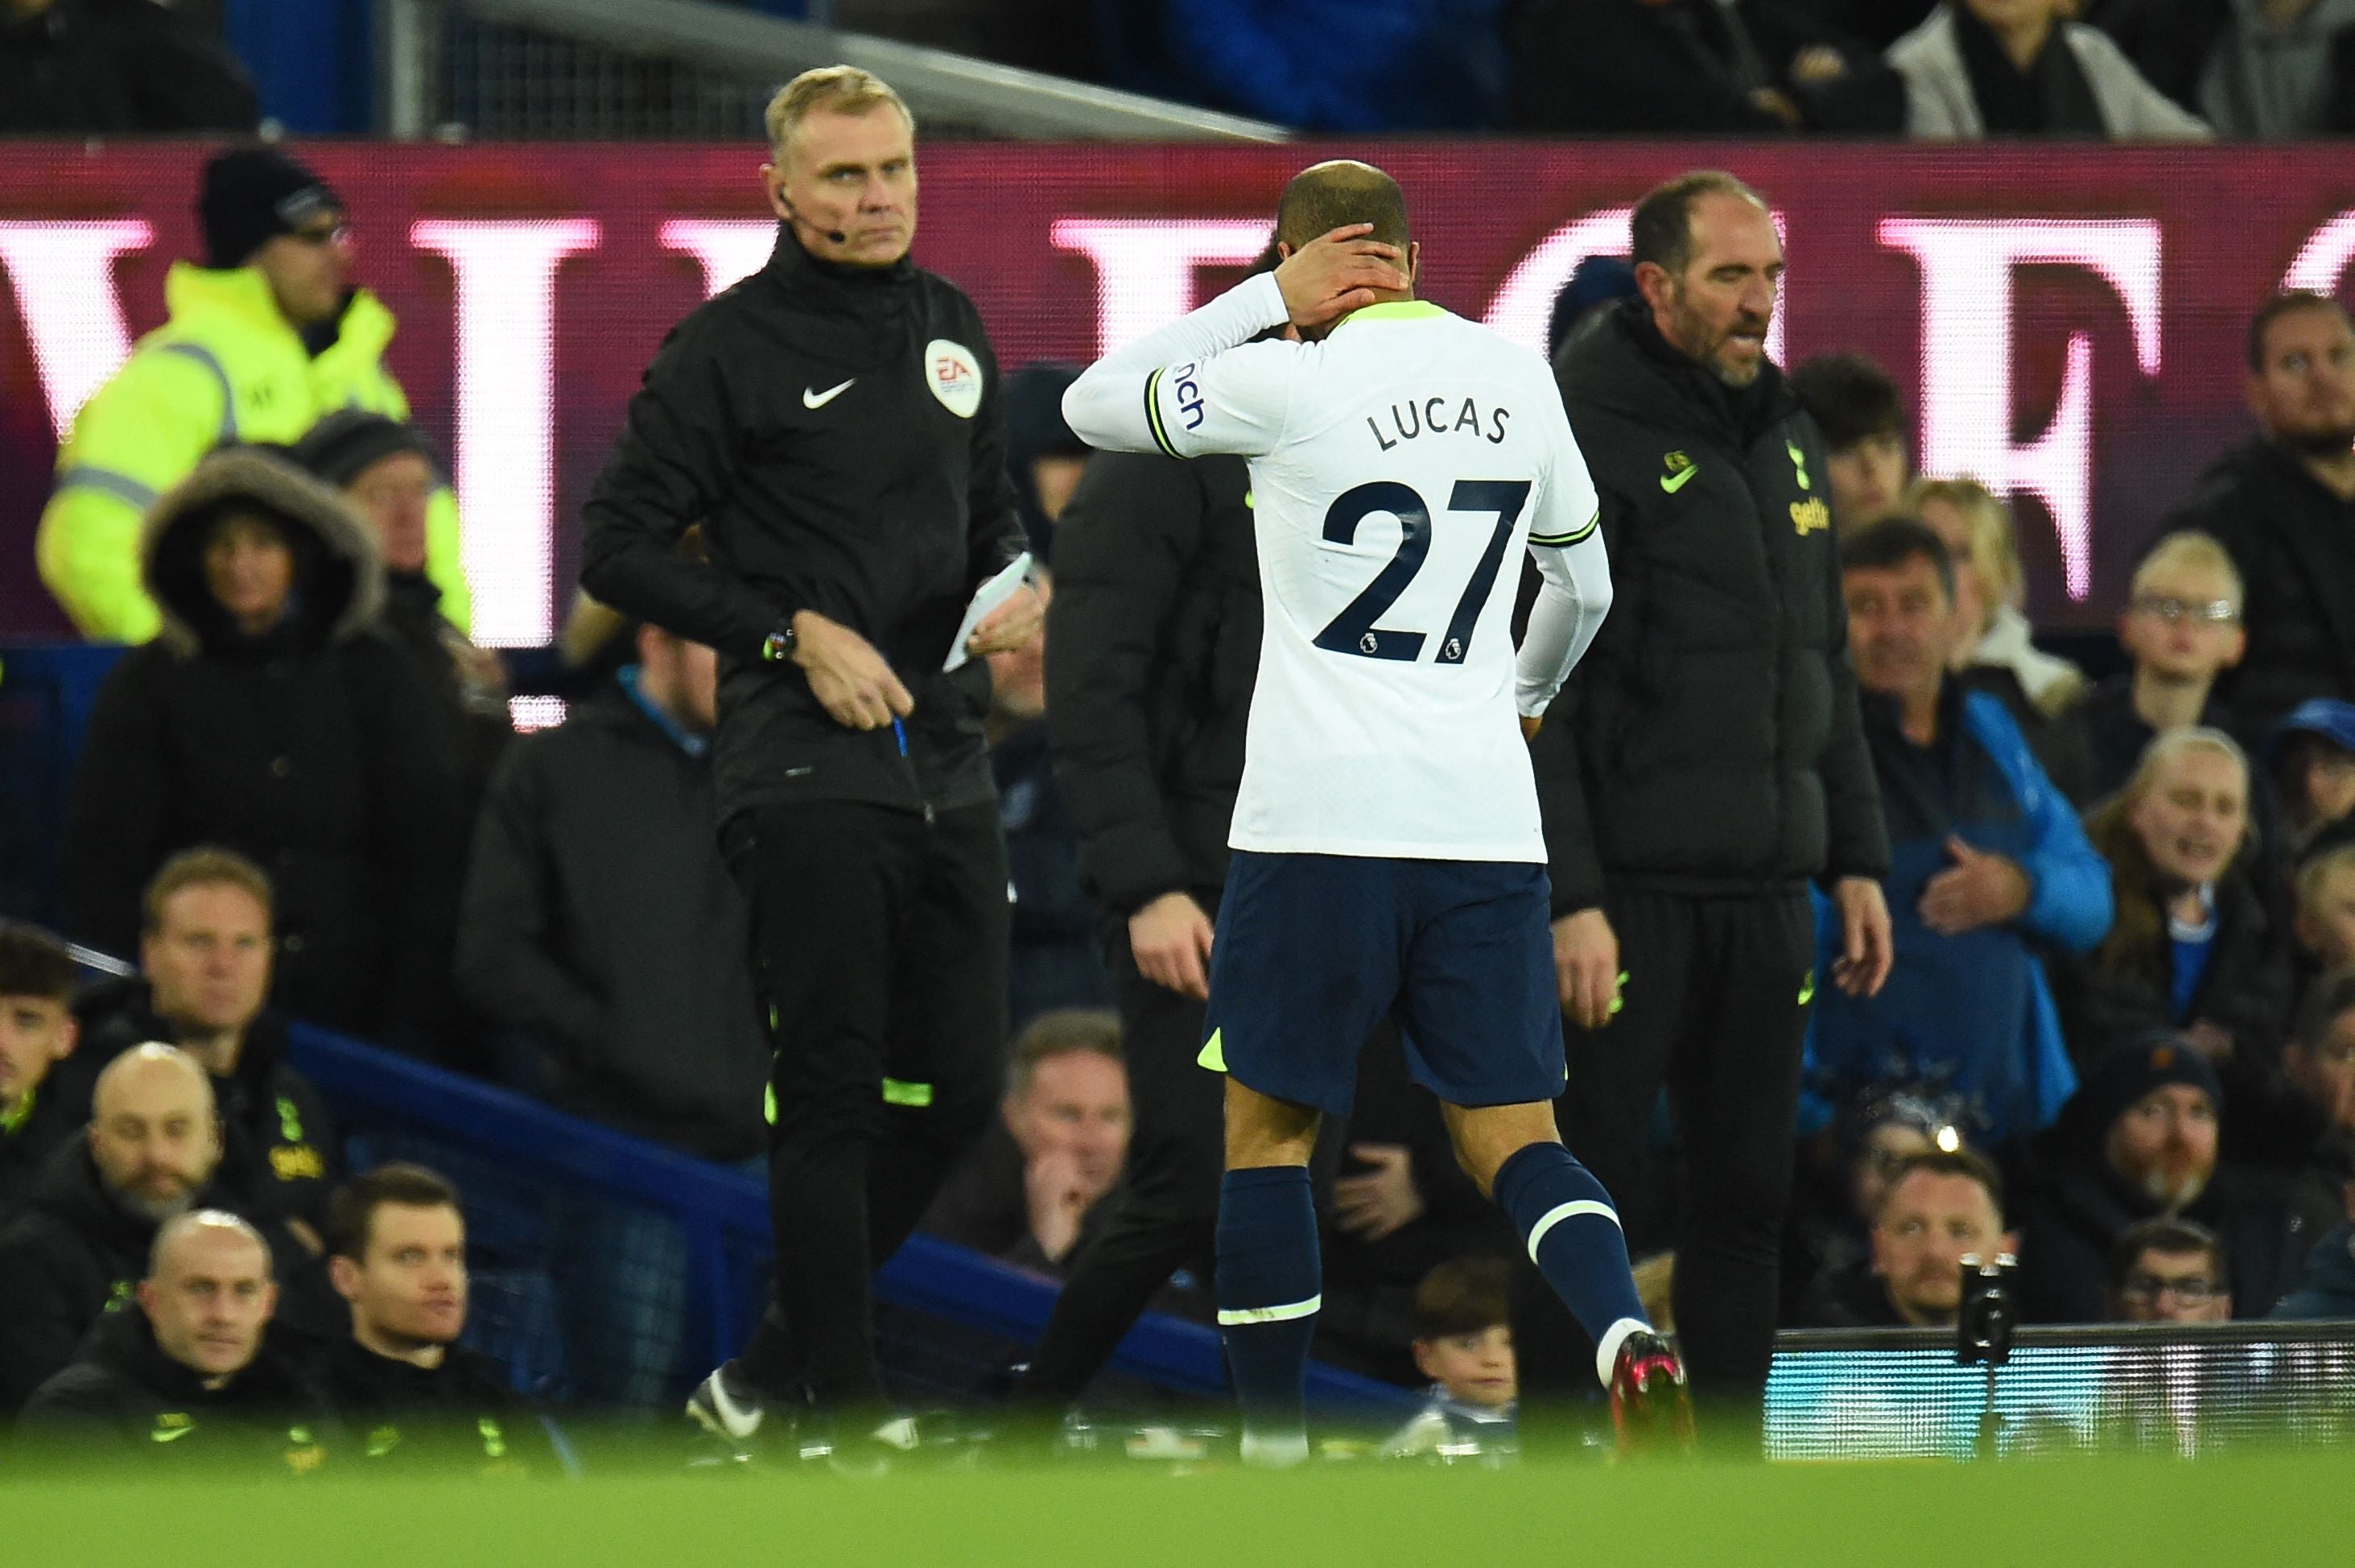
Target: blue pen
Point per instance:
(900, 733)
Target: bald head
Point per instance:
(208, 1292)
(202, 1235)
(1322, 196)
(150, 1074)
(154, 1134)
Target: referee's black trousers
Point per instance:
(1167, 1213)
(880, 938)
(1714, 1009)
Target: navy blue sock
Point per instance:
(1574, 1237)
(1269, 1285)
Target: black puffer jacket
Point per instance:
(311, 750)
(1710, 742)
(2293, 543)
(122, 1394)
(72, 1254)
(1152, 650)
(460, 1416)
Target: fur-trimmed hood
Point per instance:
(339, 568)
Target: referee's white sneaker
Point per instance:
(723, 1406)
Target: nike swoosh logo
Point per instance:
(819, 399)
(171, 1434)
(1672, 483)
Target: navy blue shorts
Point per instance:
(1312, 950)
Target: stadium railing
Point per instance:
(605, 69)
(608, 1268)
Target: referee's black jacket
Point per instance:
(1710, 742)
(839, 434)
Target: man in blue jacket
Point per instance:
(1990, 866)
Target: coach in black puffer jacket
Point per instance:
(1710, 742)
(1703, 763)
(309, 748)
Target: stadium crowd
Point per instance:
(2120, 70)
(2117, 1040)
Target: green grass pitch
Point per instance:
(2261, 1510)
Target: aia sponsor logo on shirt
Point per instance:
(954, 377)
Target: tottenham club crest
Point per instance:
(954, 377)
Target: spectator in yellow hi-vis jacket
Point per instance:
(265, 339)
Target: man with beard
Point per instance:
(1940, 1208)
(78, 1247)
(397, 1252)
(2283, 504)
(2139, 1142)
(1700, 768)
(207, 951)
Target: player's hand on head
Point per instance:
(1337, 272)
(851, 681)
(1171, 940)
(1586, 967)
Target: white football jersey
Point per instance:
(1400, 467)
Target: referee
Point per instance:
(834, 424)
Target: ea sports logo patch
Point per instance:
(954, 377)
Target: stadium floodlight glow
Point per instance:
(731, 249)
(1145, 266)
(503, 413)
(1967, 266)
(1524, 302)
(63, 277)
(2322, 261)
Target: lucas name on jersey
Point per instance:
(1416, 418)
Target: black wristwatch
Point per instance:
(779, 646)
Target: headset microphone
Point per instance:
(832, 236)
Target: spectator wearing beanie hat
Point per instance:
(386, 470)
(2139, 1142)
(263, 336)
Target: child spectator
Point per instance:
(2183, 626)
(1464, 1344)
(2192, 946)
(1863, 420)
(2326, 907)
(2311, 756)
(2169, 1271)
